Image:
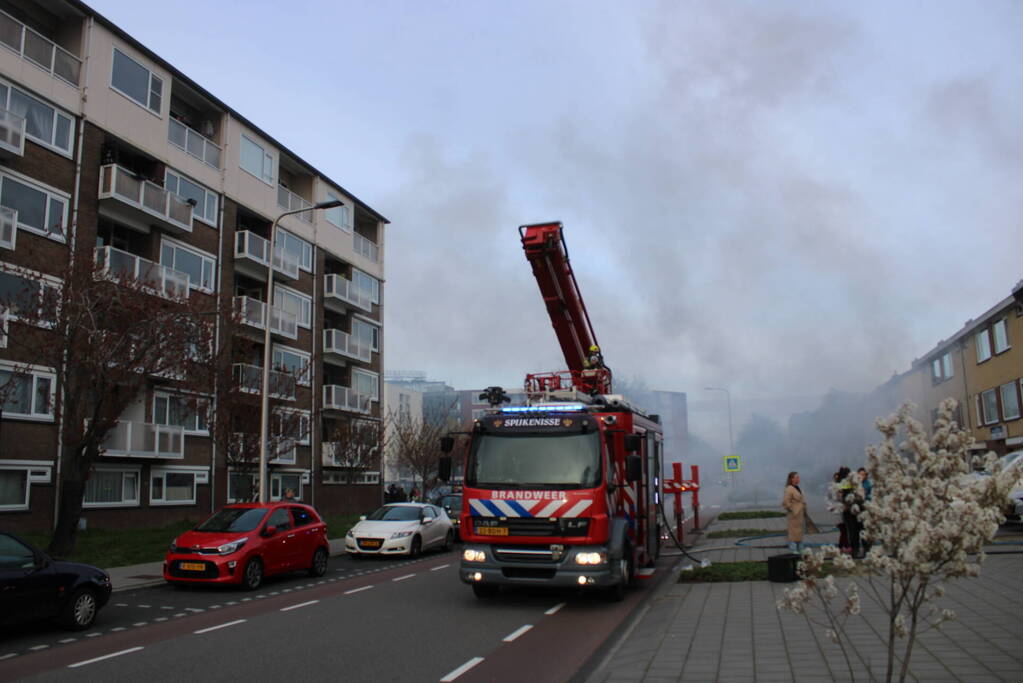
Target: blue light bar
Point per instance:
(546, 408)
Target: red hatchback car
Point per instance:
(242, 543)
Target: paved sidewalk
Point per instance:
(734, 633)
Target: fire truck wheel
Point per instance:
(483, 590)
(616, 593)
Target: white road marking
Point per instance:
(516, 633)
(554, 610)
(301, 604)
(166, 607)
(93, 634)
(8, 656)
(117, 628)
(235, 602)
(356, 590)
(181, 614)
(461, 670)
(443, 566)
(214, 606)
(214, 628)
(145, 606)
(402, 578)
(67, 640)
(122, 604)
(39, 647)
(99, 659)
(194, 609)
(140, 623)
(160, 619)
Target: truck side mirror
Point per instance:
(633, 467)
(632, 443)
(447, 444)
(444, 468)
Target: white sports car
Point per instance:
(401, 529)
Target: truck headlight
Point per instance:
(473, 555)
(590, 558)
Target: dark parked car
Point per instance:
(452, 504)
(35, 586)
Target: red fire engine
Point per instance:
(561, 491)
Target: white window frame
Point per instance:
(211, 196)
(147, 105)
(305, 377)
(374, 284)
(304, 417)
(19, 466)
(269, 165)
(305, 248)
(992, 418)
(58, 113)
(1000, 336)
(200, 475)
(277, 486)
(340, 216)
(52, 194)
(124, 470)
(201, 411)
(375, 331)
(376, 377)
(1011, 387)
(37, 372)
(983, 343)
(47, 281)
(204, 255)
(305, 304)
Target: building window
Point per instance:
(941, 368)
(168, 487)
(1001, 336)
(256, 160)
(298, 247)
(199, 265)
(1010, 401)
(989, 406)
(27, 295)
(339, 216)
(112, 487)
(13, 489)
(366, 283)
(983, 341)
(296, 363)
(27, 393)
(296, 422)
(241, 487)
(294, 302)
(44, 124)
(136, 82)
(366, 383)
(366, 334)
(206, 200)
(282, 481)
(181, 411)
(39, 210)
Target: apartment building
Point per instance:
(105, 145)
(981, 366)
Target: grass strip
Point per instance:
(722, 572)
(750, 514)
(743, 533)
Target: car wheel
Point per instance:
(81, 610)
(416, 547)
(485, 590)
(253, 576)
(449, 541)
(319, 565)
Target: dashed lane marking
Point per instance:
(117, 628)
(554, 610)
(8, 656)
(402, 578)
(93, 634)
(122, 604)
(38, 647)
(357, 590)
(140, 623)
(160, 619)
(442, 566)
(145, 606)
(516, 633)
(219, 626)
(301, 604)
(67, 640)
(99, 659)
(461, 670)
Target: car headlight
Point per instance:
(401, 534)
(473, 555)
(590, 558)
(174, 545)
(351, 533)
(232, 547)
(102, 579)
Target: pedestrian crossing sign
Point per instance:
(732, 463)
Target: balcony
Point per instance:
(250, 381)
(289, 201)
(8, 227)
(139, 201)
(194, 143)
(366, 247)
(338, 343)
(39, 50)
(129, 269)
(4, 327)
(145, 440)
(337, 397)
(253, 313)
(282, 451)
(251, 253)
(340, 294)
(12, 134)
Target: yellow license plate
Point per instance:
(492, 530)
(370, 544)
(192, 566)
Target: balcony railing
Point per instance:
(8, 227)
(154, 278)
(4, 316)
(289, 201)
(366, 247)
(12, 132)
(282, 451)
(343, 343)
(253, 313)
(250, 380)
(146, 196)
(39, 50)
(340, 288)
(337, 397)
(194, 143)
(145, 440)
(251, 246)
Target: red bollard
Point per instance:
(680, 524)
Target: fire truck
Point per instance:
(563, 490)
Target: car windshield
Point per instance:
(395, 513)
(233, 519)
(555, 461)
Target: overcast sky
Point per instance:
(775, 197)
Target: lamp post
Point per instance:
(731, 441)
(264, 415)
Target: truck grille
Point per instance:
(525, 526)
(523, 554)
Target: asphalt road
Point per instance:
(369, 620)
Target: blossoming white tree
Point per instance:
(928, 520)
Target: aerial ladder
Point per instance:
(547, 253)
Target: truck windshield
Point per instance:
(536, 461)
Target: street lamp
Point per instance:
(264, 414)
(731, 442)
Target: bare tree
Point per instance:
(355, 444)
(415, 447)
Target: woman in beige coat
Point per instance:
(795, 506)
